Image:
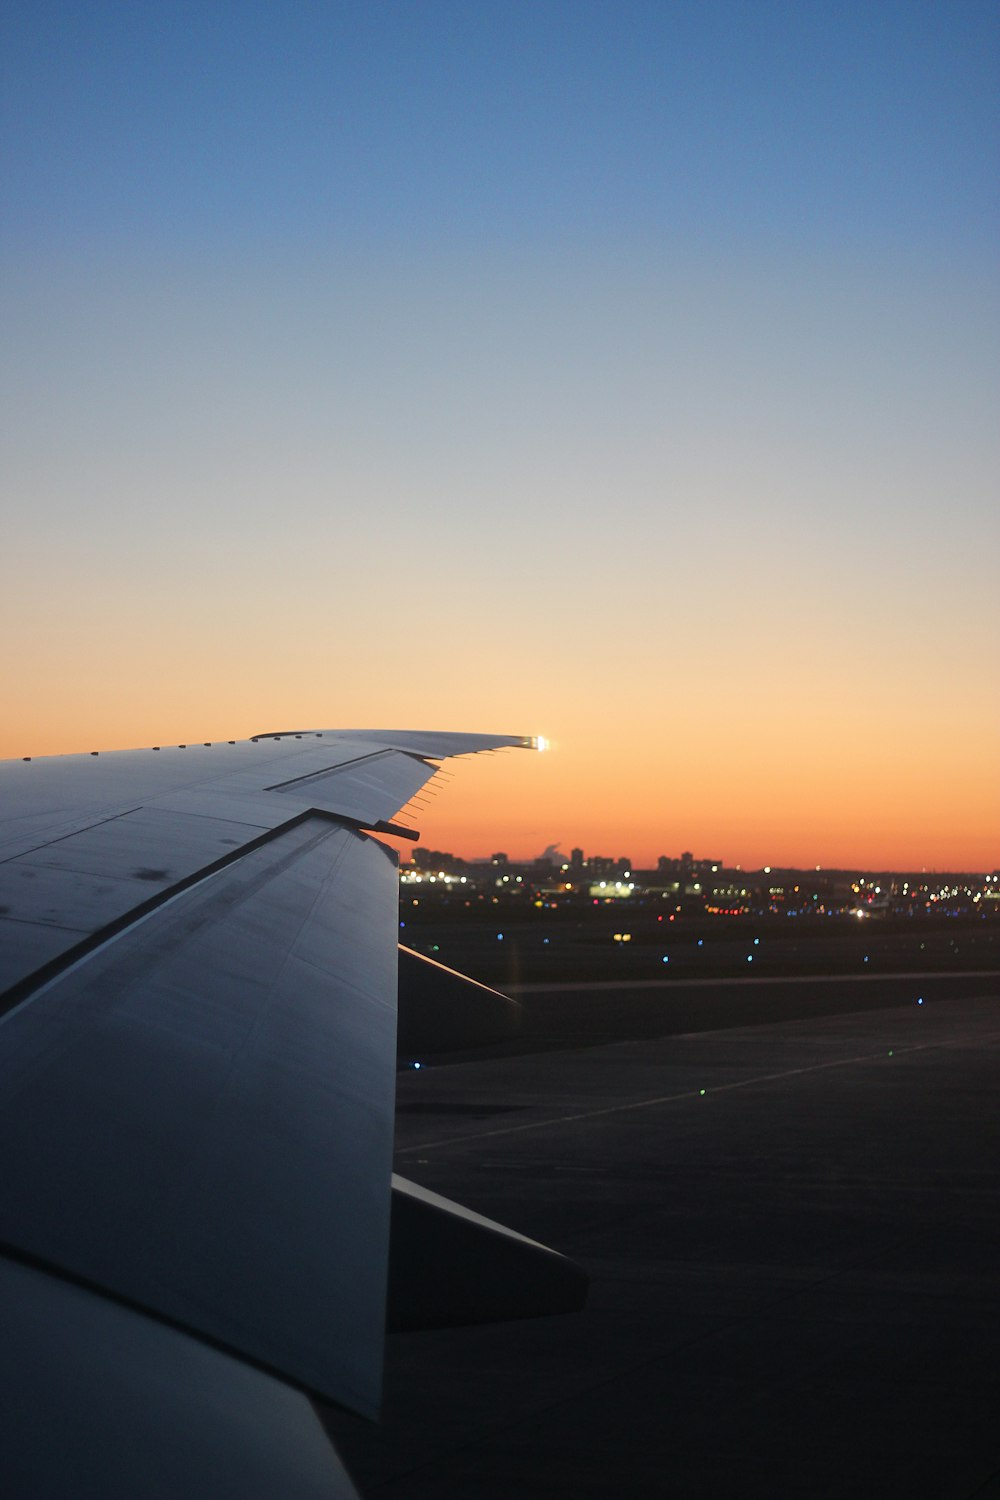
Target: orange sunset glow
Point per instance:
(798, 791)
(635, 416)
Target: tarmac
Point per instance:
(792, 1231)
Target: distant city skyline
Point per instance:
(664, 864)
(625, 373)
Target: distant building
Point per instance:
(436, 859)
(611, 890)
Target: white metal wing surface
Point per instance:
(197, 1054)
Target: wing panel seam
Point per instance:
(61, 838)
(343, 765)
(58, 1272)
(24, 989)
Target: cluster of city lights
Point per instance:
(730, 893)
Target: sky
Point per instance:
(625, 373)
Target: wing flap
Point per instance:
(198, 1115)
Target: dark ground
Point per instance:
(514, 943)
(792, 1230)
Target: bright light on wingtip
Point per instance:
(541, 743)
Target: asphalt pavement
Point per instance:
(792, 1230)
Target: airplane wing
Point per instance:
(198, 970)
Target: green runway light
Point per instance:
(701, 1091)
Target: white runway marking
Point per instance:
(721, 1088)
(743, 981)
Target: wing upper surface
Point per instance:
(198, 953)
(100, 1400)
(88, 840)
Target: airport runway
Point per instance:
(792, 1231)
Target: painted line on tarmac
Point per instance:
(720, 1088)
(667, 984)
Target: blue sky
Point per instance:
(470, 125)
(526, 367)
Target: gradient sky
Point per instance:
(622, 372)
